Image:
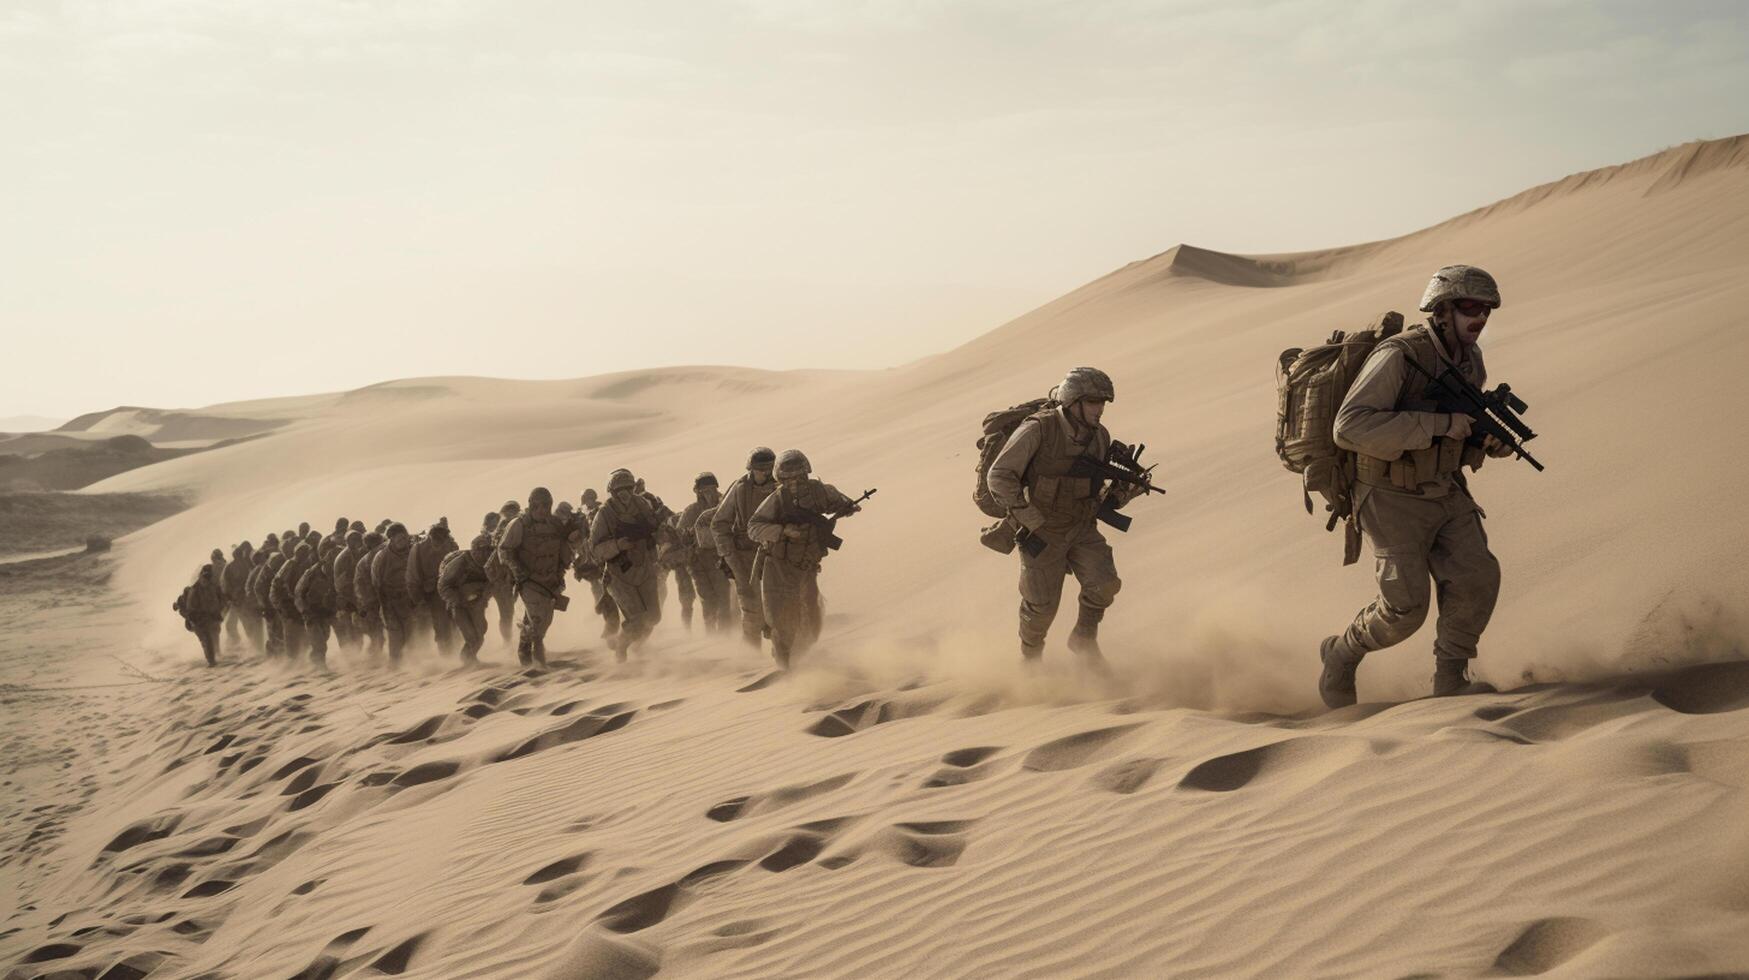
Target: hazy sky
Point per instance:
(206, 200)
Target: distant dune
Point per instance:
(910, 803)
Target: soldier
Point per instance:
(664, 514)
(1410, 494)
(254, 626)
(231, 581)
(465, 590)
(422, 568)
(729, 530)
(341, 568)
(337, 539)
(202, 606)
(589, 569)
(489, 523)
(791, 546)
(674, 555)
(707, 554)
(503, 582)
(1031, 478)
(303, 530)
(285, 600)
(534, 551)
(264, 600)
(701, 555)
(315, 600)
(624, 539)
(388, 573)
(367, 602)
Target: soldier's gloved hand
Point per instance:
(623, 544)
(1460, 426)
(794, 532)
(1495, 447)
(1030, 517)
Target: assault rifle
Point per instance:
(1492, 413)
(828, 525)
(1121, 465)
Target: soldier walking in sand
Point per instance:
(700, 550)
(729, 529)
(465, 589)
(534, 551)
(1411, 498)
(792, 543)
(623, 539)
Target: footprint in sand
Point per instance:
(1127, 776)
(597, 722)
(1546, 944)
(742, 806)
(963, 766)
(1074, 751)
(867, 714)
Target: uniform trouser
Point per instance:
(370, 625)
(317, 627)
(397, 611)
(1080, 549)
(292, 629)
(634, 591)
(1425, 548)
(275, 630)
(537, 618)
(207, 632)
(791, 595)
(441, 622)
(605, 605)
(504, 595)
(345, 626)
(252, 625)
(747, 593)
(233, 624)
(713, 589)
(684, 585)
(470, 622)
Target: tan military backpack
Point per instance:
(998, 426)
(1310, 384)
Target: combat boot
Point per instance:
(1451, 676)
(524, 651)
(1031, 654)
(1084, 638)
(1336, 684)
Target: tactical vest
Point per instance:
(542, 551)
(391, 580)
(236, 574)
(364, 588)
(1065, 500)
(318, 591)
(1442, 460)
(799, 508)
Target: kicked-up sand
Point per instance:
(911, 803)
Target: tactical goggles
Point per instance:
(1472, 307)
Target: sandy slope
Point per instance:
(910, 806)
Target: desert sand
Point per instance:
(910, 803)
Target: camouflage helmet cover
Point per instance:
(395, 528)
(354, 538)
(705, 479)
(1086, 382)
(373, 539)
(481, 542)
(541, 494)
(760, 456)
(1460, 282)
(590, 496)
(564, 508)
(620, 479)
(510, 508)
(793, 462)
(305, 550)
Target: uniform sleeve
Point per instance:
(507, 550)
(1008, 471)
(723, 521)
(603, 544)
(1368, 423)
(449, 580)
(764, 527)
(415, 564)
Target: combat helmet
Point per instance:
(761, 457)
(1460, 282)
(705, 479)
(481, 542)
(1085, 382)
(590, 496)
(793, 462)
(620, 479)
(541, 494)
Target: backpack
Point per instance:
(998, 426)
(1310, 384)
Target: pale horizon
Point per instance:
(210, 204)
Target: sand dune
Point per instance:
(910, 804)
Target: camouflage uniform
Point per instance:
(465, 590)
(234, 584)
(791, 549)
(597, 580)
(422, 568)
(388, 572)
(700, 552)
(534, 551)
(503, 583)
(1030, 477)
(285, 601)
(1412, 501)
(367, 602)
(202, 606)
(315, 600)
(729, 530)
(347, 628)
(623, 540)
